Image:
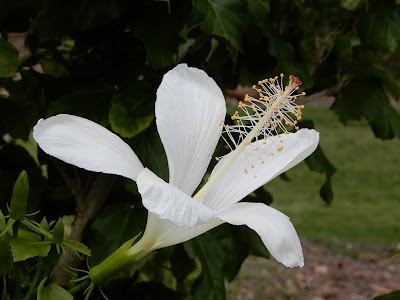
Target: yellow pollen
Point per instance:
(280, 148)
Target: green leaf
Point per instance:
(58, 232)
(366, 98)
(147, 146)
(222, 18)
(217, 254)
(27, 246)
(182, 267)
(380, 27)
(132, 112)
(3, 223)
(91, 102)
(395, 295)
(10, 119)
(318, 162)
(257, 10)
(53, 68)
(351, 4)
(117, 223)
(77, 247)
(249, 237)
(52, 291)
(20, 197)
(161, 39)
(211, 252)
(9, 60)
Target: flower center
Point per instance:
(271, 113)
(260, 119)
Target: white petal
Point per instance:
(189, 108)
(162, 233)
(235, 184)
(170, 203)
(85, 144)
(274, 228)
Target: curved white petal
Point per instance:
(269, 161)
(274, 228)
(85, 144)
(170, 203)
(189, 108)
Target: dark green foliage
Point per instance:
(391, 296)
(104, 59)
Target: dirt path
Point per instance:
(325, 276)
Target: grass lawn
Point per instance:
(366, 205)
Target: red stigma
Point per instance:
(295, 79)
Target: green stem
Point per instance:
(4, 293)
(17, 279)
(122, 258)
(36, 280)
(79, 287)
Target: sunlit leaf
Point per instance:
(28, 246)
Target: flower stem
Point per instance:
(36, 280)
(125, 256)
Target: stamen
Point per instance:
(273, 113)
